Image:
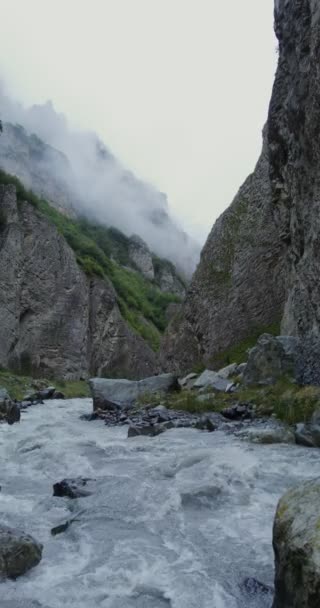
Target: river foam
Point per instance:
(177, 521)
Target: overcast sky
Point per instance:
(178, 89)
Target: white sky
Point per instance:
(178, 89)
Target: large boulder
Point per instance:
(116, 394)
(210, 379)
(9, 410)
(296, 542)
(308, 434)
(271, 359)
(19, 552)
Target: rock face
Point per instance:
(271, 359)
(18, 553)
(261, 261)
(55, 321)
(141, 256)
(296, 541)
(227, 300)
(114, 394)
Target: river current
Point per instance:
(177, 521)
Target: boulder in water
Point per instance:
(73, 488)
(296, 542)
(9, 410)
(19, 552)
(308, 434)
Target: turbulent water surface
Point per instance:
(177, 521)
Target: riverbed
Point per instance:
(180, 520)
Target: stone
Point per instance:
(210, 379)
(253, 587)
(116, 394)
(58, 395)
(78, 487)
(188, 381)
(9, 410)
(146, 430)
(308, 434)
(230, 370)
(205, 423)
(19, 553)
(296, 542)
(271, 359)
(240, 411)
(276, 433)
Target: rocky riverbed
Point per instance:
(181, 520)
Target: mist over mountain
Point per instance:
(77, 172)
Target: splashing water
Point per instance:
(176, 521)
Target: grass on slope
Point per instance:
(289, 402)
(94, 245)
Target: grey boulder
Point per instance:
(9, 410)
(19, 552)
(271, 359)
(117, 394)
(210, 379)
(308, 434)
(296, 542)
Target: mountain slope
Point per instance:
(74, 170)
(57, 320)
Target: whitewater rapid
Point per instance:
(177, 521)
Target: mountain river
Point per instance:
(176, 521)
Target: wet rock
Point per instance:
(9, 409)
(253, 587)
(73, 488)
(271, 359)
(205, 423)
(240, 411)
(296, 542)
(308, 434)
(148, 430)
(160, 412)
(276, 433)
(109, 394)
(19, 552)
(210, 379)
(58, 395)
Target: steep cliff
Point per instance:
(261, 262)
(55, 320)
(237, 290)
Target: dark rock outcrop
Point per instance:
(55, 320)
(308, 434)
(271, 359)
(19, 553)
(237, 289)
(296, 544)
(9, 410)
(73, 488)
(261, 261)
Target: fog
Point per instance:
(89, 179)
